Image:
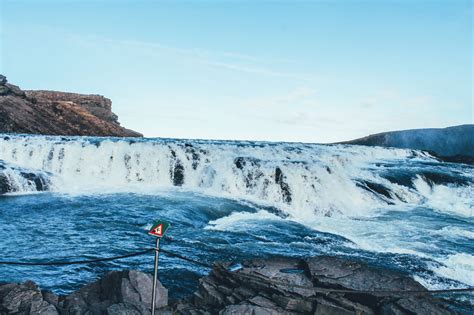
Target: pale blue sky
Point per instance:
(312, 71)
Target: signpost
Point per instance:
(158, 230)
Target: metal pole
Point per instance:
(155, 275)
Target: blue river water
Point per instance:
(400, 209)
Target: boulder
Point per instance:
(118, 292)
(24, 298)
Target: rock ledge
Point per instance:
(272, 286)
(57, 113)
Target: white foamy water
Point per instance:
(455, 231)
(459, 267)
(303, 180)
(238, 221)
(458, 200)
(16, 180)
(339, 189)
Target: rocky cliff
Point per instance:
(57, 113)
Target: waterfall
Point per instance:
(300, 179)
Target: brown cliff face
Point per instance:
(57, 113)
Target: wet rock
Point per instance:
(377, 189)
(239, 162)
(438, 178)
(192, 155)
(250, 169)
(40, 182)
(118, 292)
(296, 286)
(5, 186)
(285, 188)
(14, 179)
(24, 298)
(264, 286)
(177, 173)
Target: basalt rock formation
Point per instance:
(26, 298)
(57, 113)
(270, 286)
(119, 292)
(302, 286)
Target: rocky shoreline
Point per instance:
(272, 286)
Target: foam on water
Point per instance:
(458, 200)
(459, 267)
(339, 189)
(455, 231)
(238, 221)
(17, 180)
(304, 180)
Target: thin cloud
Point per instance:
(232, 61)
(296, 96)
(198, 52)
(244, 68)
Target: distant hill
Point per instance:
(57, 113)
(454, 142)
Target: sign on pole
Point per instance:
(158, 229)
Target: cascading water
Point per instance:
(303, 180)
(401, 208)
(17, 180)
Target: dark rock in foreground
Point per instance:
(456, 142)
(119, 292)
(57, 113)
(293, 286)
(25, 298)
(272, 286)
